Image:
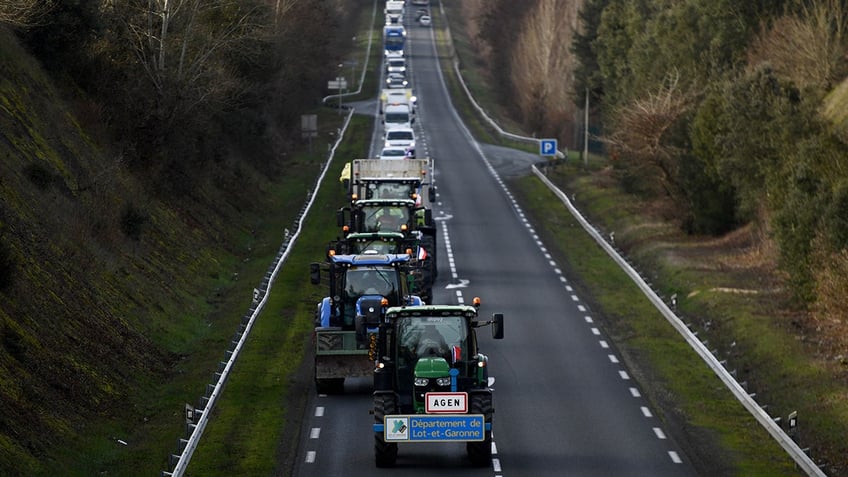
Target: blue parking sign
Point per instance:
(548, 147)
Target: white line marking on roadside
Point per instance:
(319, 411)
(588, 319)
(581, 308)
(494, 448)
(646, 412)
(310, 457)
(596, 331)
(674, 457)
(659, 432)
(604, 344)
(624, 375)
(315, 433)
(575, 298)
(496, 465)
(613, 359)
(635, 392)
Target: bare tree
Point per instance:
(640, 131)
(543, 63)
(24, 13)
(180, 45)
(806, 48)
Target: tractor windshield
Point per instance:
(385, 218)
(371, 280)
(422, 336)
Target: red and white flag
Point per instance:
(422, 254)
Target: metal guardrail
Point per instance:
(197, 418)
(340, 95)
(802, 460)
(491, 122)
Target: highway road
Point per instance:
(564, 403)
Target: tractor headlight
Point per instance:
(422, 381)
(443, 381)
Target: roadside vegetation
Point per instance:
(719, 136)
(147, 179)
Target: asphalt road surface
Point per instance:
(564, 404)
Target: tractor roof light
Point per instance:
(331, 253)
(403, 228)
(354, 196)
(476, 301)
(346, 228)
(481, 364)
(384, 301)
(409, 251)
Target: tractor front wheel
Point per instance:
(480, 452)
(385, 453)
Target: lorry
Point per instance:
(359, 286)
(394, 38)
(394, 10)
(431, 382)
(398, 96)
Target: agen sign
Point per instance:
(455, 403)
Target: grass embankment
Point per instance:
(244, 437)
(749, 329)
(259, 405)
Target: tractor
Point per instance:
(431, 382)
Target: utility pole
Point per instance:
(586, 132)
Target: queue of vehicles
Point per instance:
(431, 381)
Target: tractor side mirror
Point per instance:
(431, 194)
(497, 326)
(428, 217)
(315, 273)
(340, 218)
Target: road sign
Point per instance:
(434, 428)
(456, 403)
(548, 147)
(338, 83)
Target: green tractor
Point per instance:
(431, 383)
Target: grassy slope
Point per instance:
(105, 338)
(768, 353)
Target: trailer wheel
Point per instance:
(480, 452)
(385, 453)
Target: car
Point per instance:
(425, 20)
(393, 152)
(401, 137)
(396, 65)
(420, 13)
(396, 80)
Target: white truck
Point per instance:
(398, 96)
(398, 116)
(394, 12)
(377, 179)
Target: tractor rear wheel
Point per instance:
(385, 453)
(480, 452)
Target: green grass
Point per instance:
(244, 437)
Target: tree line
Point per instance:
(732, 110)
(177, 82)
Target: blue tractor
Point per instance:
(347, 321)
